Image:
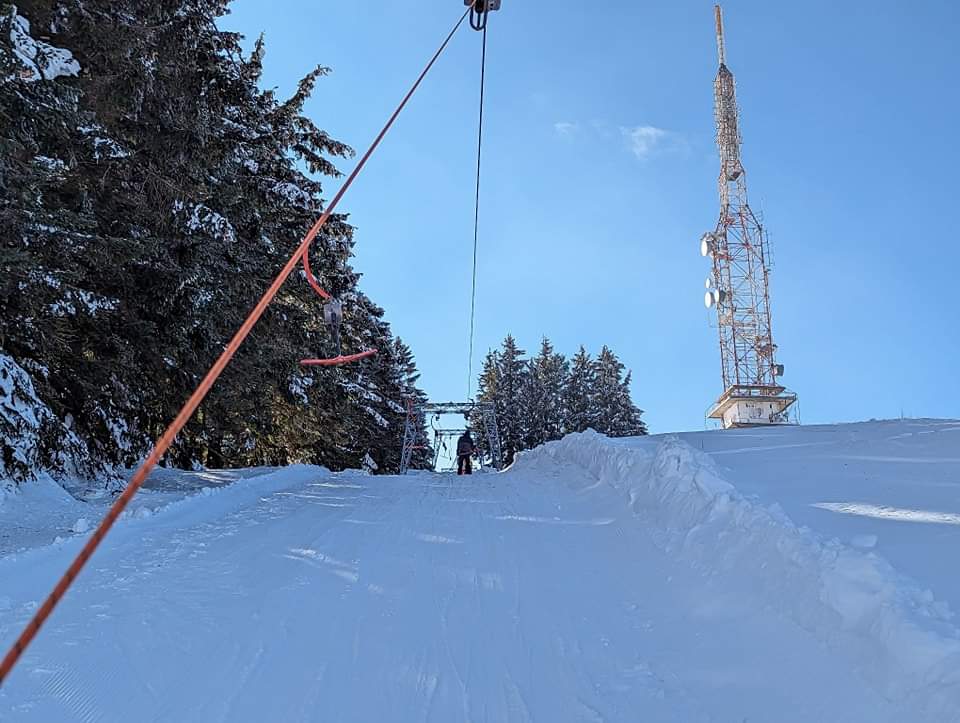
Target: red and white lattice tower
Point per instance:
(739, 284)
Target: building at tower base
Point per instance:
(747, 406)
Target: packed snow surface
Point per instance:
(895, 483)
(745, 576)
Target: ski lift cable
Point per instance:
(476, 210)
(163, 444)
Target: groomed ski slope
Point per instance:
(596, 580)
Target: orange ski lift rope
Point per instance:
(163, 444)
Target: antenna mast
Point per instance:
(721, 49)
(739, 282)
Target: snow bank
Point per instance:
(6, 490)
(214, 502)
(49, 519)
(37, 513)
(80, 526)
(851, 599)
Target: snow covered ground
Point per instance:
(892, 487)
(661, 579)
(43, 512)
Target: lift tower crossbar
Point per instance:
(415, 422)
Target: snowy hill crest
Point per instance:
(905, 640)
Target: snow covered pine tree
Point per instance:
(617, 415)
(542, 396)
(143, 206)
(580, 411)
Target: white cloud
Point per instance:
(565, 129)
(645, 141)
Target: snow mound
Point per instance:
(214, 502)
(6, 490)
(80, 526)
(851, 599)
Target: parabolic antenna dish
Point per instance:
(708, 299)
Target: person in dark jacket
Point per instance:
(465, 449)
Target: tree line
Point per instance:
(547, 396)
(150, 189)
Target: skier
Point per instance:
(465, 449)
(333, 315)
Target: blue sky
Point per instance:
(600, 176)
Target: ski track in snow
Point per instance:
(560, 590)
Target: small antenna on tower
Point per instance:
(721, 50)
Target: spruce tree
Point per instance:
(488, 392)
(617, 415)
(579, 406)
(628, 422)
(511, 378)
(422, 458)
(58, 313)
(542, 396)
(146, 205)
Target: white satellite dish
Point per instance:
(708, 283)
(708, 243)
(719, 296)
(708, 299)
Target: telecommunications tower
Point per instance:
(738, 286)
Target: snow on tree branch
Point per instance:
(39, 60)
